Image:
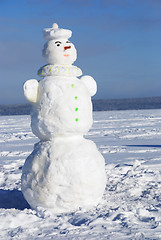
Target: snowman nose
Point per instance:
(67, 47)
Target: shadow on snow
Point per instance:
(12, 199)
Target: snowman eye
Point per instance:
(68, 42)
(58, 43)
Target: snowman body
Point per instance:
(64, 175)
(65, 171)
(63, 108)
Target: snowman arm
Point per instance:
(90, 83)
(31, 90)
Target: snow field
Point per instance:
(130, 142)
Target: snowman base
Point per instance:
(64, 174)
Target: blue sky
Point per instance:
(118, 43)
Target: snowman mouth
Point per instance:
(67, 47)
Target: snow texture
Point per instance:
(131, 205)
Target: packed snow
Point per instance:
(65, 171)
(130, 142)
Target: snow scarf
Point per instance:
(59, 70)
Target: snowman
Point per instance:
(65, 171)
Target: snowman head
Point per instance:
(58, 49)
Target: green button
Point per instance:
(76, 109)
(72, 85)
(76, 97)
(76, 119)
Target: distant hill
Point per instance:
(127, 104)
(15, 109)
(98, 105)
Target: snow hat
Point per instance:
(56, 33)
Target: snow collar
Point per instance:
(59, 70)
